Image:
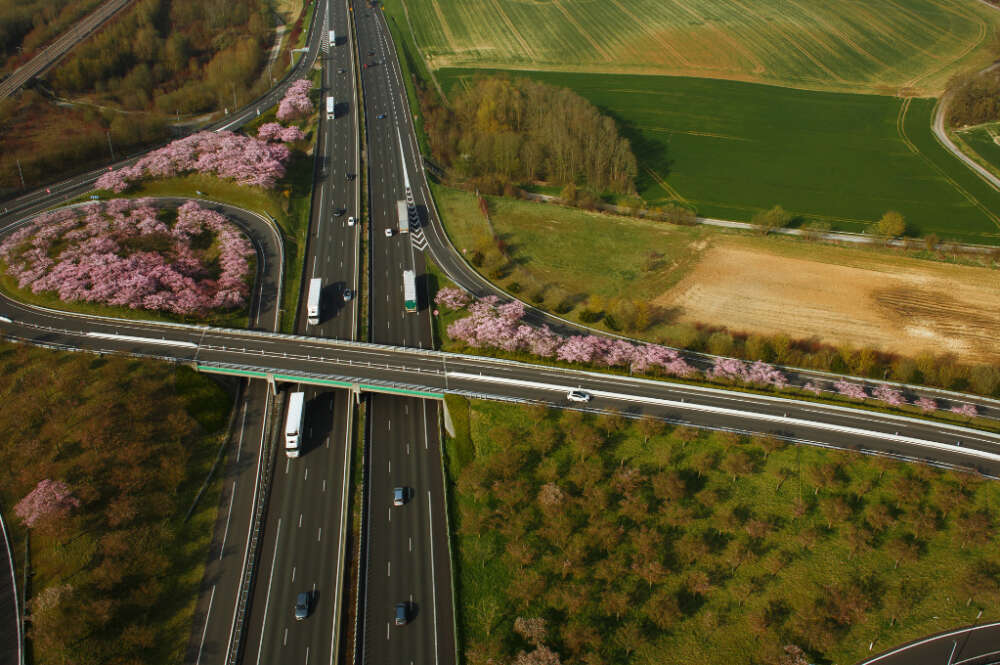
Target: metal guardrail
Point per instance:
(262, 493)
(13, 582)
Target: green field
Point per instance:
(732, 149)
(980, 142)
(639, 545)
(876, 46)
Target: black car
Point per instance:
(401, 614)
(371, 52)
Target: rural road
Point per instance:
(57, 49)
(942, 136)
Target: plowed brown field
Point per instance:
(896, 304)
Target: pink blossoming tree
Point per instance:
(967, 410)
(852, 390)
(452, 298)
(123, 253)
(926, 404)
(888, 394)
(50, 497)
(296, 103)
(244, 159)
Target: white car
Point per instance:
(388, 233)
(351, 221)
(578, 396)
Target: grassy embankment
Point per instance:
(876, 47)
(731, 150)
(134, 440)
(653, 546)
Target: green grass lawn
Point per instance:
(755, 550)
(733, 149)
(876, 46)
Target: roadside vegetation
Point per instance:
(604, 539)
(27, 26)
(248, 171)
(104, 459)
(157, 63)
(678, 285)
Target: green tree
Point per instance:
(775, 218)
(892, 225)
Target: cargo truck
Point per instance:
(333, 38)
(312, 304)
(330, 113)
(403, 212)
(409, 291)
(293, 424)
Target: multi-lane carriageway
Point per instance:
(406, 546)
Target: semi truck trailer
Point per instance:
(312, 304)
(330, 113)
(403, 213)
(409, 291)
(293, 424)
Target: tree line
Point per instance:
(504, 130)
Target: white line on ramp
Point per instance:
(143, 340)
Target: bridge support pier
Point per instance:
(271, 384)
(356, 391)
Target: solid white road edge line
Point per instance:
(144, 340)
(784, 420)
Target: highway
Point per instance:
(57, 49)
(305, 530)
(406, 547)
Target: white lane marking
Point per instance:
(388, 568)
(225, 534)
(324, 485)
(144, 340)
(390, 515)
(267, 601)
(284, 639)
(783, 420)
(386, 630)
(293, 573)
(300, 520)
(204, 631)
(288, 463)
(319, 536)
(307, 474)
(239, 446)
(307, 655)
(411, 543)
(929, 639)
(430, 534)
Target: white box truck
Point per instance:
(330, 114)
(312, 305)
(409, 291)
(403, 212)
(333, 38)
(293, 424)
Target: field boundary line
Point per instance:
(445, 28)
(840, 34)
(973, 45)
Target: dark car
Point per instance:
(341, 71)
(302, 606)
(371, 52)
(401, 614)
(381, 116)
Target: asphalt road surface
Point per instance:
(973, 645)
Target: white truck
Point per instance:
(330, 112)
(312, 304)
(409, 291)
(293, 424)
(333, 38)
(403, 212)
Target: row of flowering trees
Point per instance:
(500, 326)
(123, 253)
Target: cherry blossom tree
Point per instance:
(273, 131)
(852, 390)
(96, 253)
(812, 387)
(50, 497)
(244, 159)
(452, 298)
(967, 410)
(926, 404)
(296, 102)
(888, 394)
